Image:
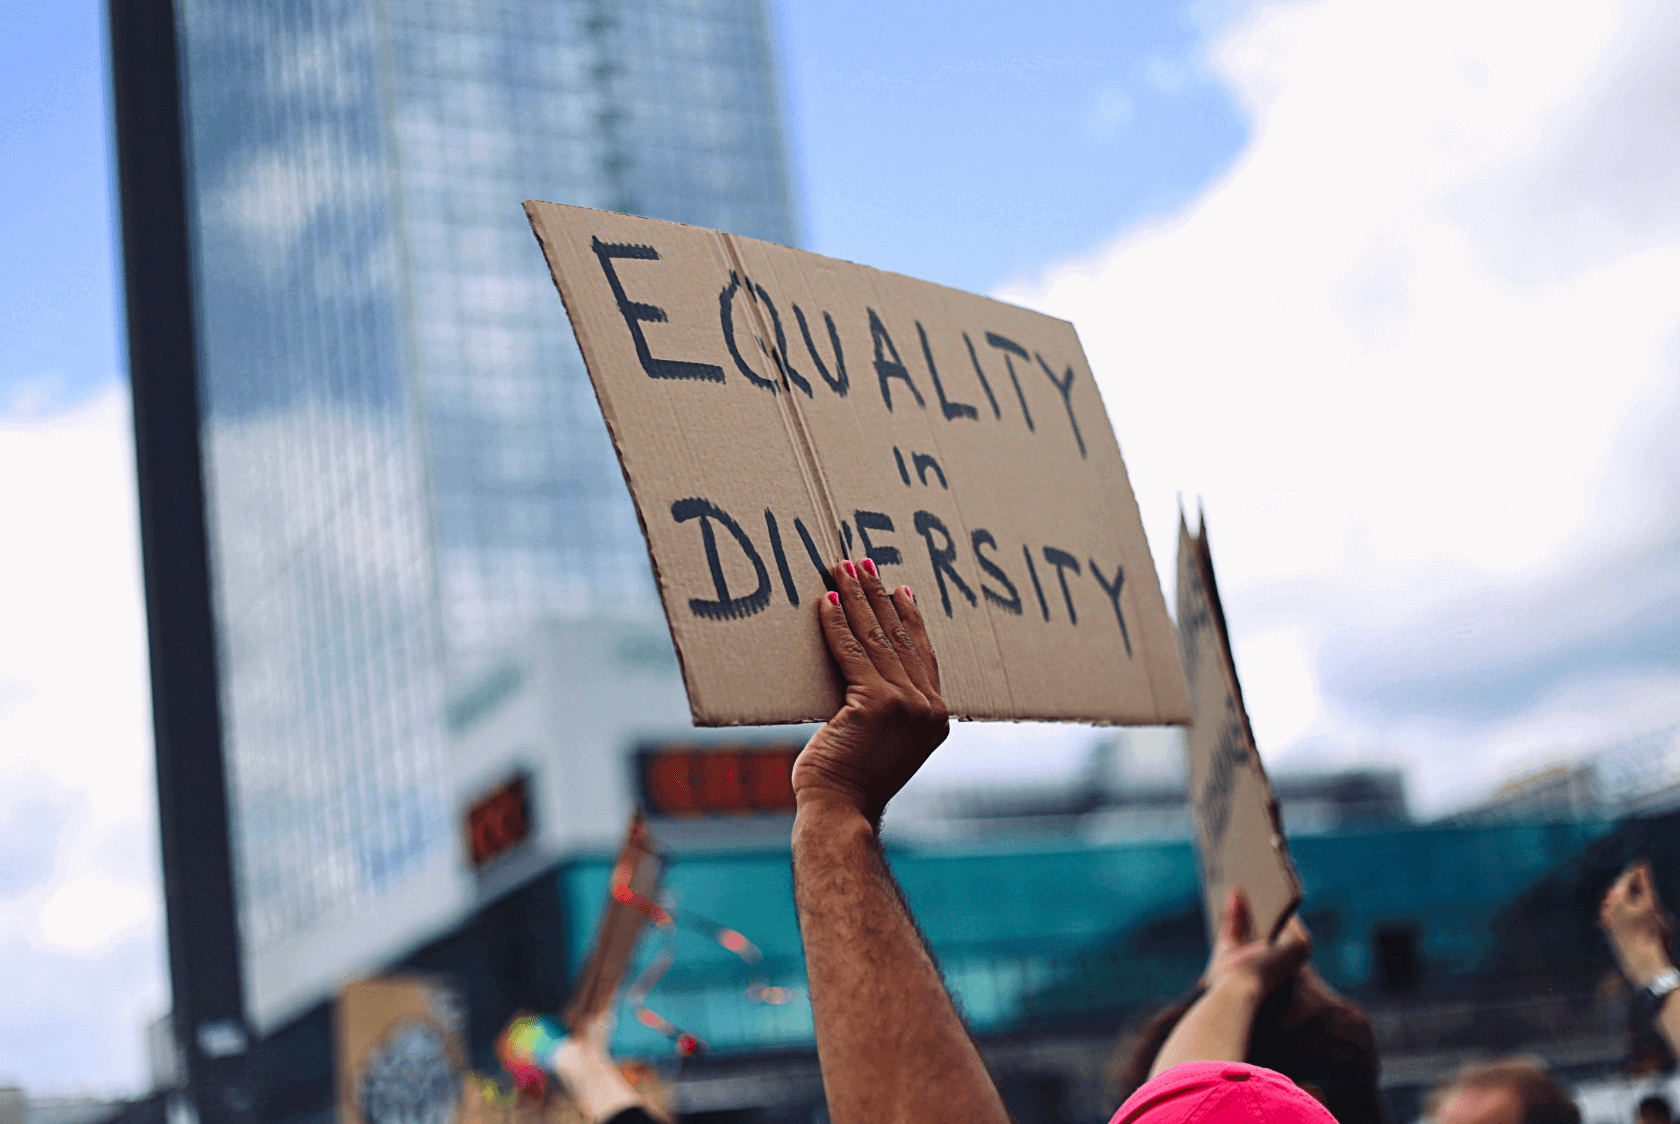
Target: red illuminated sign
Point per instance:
(688, 781)
(499, 821)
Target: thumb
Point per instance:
(1235, 926)
(1296, 938)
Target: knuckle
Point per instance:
(904, 706)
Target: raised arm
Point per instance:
(1641, 935)
(890, 1042)
(1241, 972)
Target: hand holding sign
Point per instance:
(775, 411)
(893, 718)
(1244, 956)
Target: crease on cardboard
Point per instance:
(816, 481)
(991, 624)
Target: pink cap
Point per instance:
(1221, 1093)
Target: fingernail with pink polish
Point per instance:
(869, 565)
(851, 571)
(908, 593)
(833, 598)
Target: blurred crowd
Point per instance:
(1261, 1037)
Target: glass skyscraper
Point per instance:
(404, 461)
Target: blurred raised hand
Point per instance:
(1640, 929)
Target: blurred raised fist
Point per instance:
(1639, 928)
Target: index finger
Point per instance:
(867, 625)
(892, 623)
(910, 616)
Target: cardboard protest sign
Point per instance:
(400, 1056)
(775, 411)
(1239, 833)
(635, 880)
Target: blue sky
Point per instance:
(57, 292)
(958, 143)
(968, 144)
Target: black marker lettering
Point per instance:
(868, 521)
(725, 607)
(1113, 592)
(1063, 561)
(846, 537)
(1010, 347)
(923, 462)
(814, 554)
(726, 317)
(1010, 604)
(1043, 605)
(780, 355)
(636, 313)
(903, 473)
(984, 385)
(952, 410)
(781, 557)
(1065, 386)
(841, 384)
(927, 524)
(886, 369)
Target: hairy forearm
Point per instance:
(889, 1040)
(1215, 1028)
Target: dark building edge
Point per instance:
(203, 929)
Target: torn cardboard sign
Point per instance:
(1239, 834)
(634, 881)
(775, 412)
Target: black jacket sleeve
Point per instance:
(632, 1116)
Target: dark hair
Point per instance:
(1655, 1103)
(1305, 1031)
(1541, 1099)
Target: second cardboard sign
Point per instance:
(775, 411)
(1239, 832)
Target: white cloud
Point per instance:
(89, 914)
(1400, 349)
(81, 930)
(1112, 110)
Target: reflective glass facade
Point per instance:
(405, 462)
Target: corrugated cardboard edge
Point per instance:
(533, 214)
